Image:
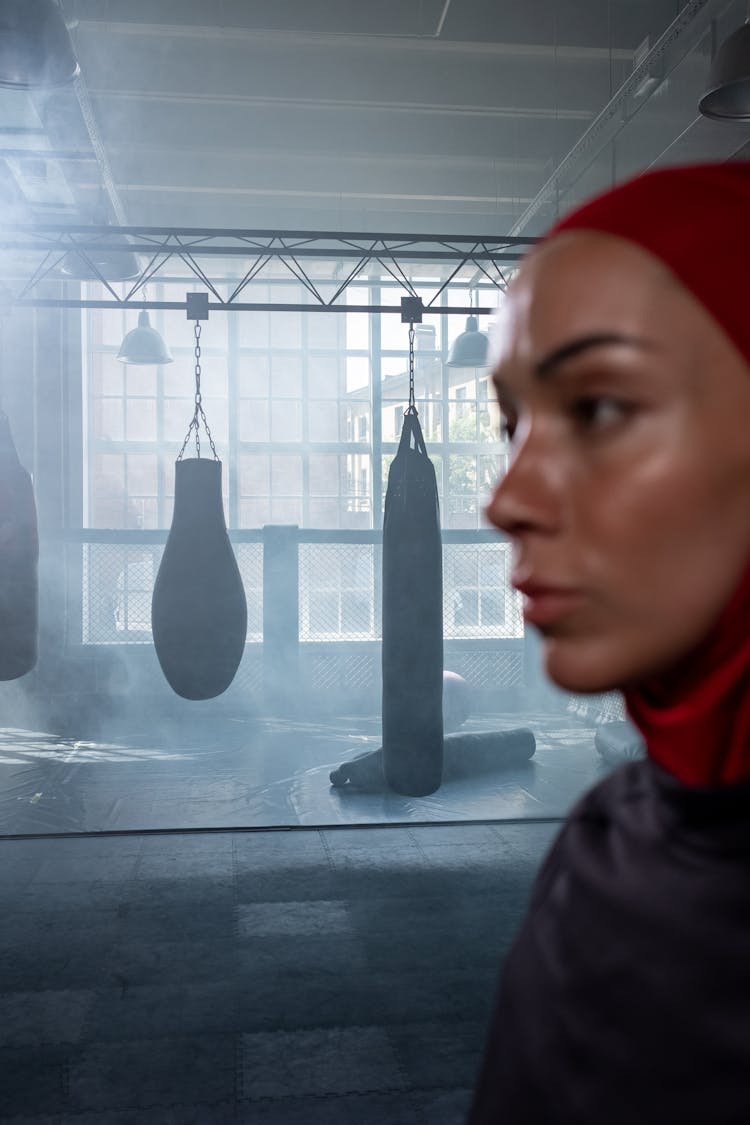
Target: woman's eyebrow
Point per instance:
(547, 366)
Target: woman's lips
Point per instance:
(545, 605)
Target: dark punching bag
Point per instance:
(19, 558)
(412, 620)
(198, 610)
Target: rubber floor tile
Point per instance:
(443, 1107)
(348, 1109)
(158, 1011)
(33, 1018)
(289, 884)
(279, 919)
(153, 1072)
(319, 1061)
(221, 1113)
(75, 866)
(33, 1080)
(187, 961)
(455, 1048)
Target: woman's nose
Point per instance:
(529, 496)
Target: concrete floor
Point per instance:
(301, 976)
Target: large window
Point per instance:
(305, 408)
(306, 411)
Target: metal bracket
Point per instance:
(197, 306)
(411, 310)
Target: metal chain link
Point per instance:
(412, 407)
(199, 414)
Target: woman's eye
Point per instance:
(599, 412)
(507, 427)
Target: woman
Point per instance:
(623, 374)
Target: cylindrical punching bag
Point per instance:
(19, 558)
(412, 620)
(198, 609)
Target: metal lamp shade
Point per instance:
(470, 348)
(111, 266)
(144, 345)
(35, 45)
(727, 97)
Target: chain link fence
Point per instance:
(338, 599)
(340, 594)
(118, 583)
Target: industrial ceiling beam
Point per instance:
(357, 255)
(689, 26)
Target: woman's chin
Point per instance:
(577, 668)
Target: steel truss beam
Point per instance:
(156, 250)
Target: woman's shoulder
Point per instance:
(641, 799)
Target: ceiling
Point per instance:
(477, 117)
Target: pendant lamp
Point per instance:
(111, 265)
(144, 345)
(35, 45)
(727, 96)
(470, 348)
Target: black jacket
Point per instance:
(625, 999)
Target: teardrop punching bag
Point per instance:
(19, 558)
(198, 609)
(412, 620)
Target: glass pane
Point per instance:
(462, 421)
(148, 509)
(323, 420)
(357, 329)
(177, 415)
(254, 327)
(323, 376)
(254, 420)
(107, 374)
(109, 419)
(140, 381)
(324, 513)
(141, 419)
(286, 475)
(286, 511)
(253, 375)
(357, 372)
(286, 420)
(394, 336)
(254, 474)
(178, 379)
(286, 376)
(323, 330)
(255, 513)
(286, 327)
(142, 474)
(324, 475)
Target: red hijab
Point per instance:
(696, 219)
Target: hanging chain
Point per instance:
(412, 406)
(199, 415)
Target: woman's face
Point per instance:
(627, 497)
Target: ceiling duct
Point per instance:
(35, 46)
